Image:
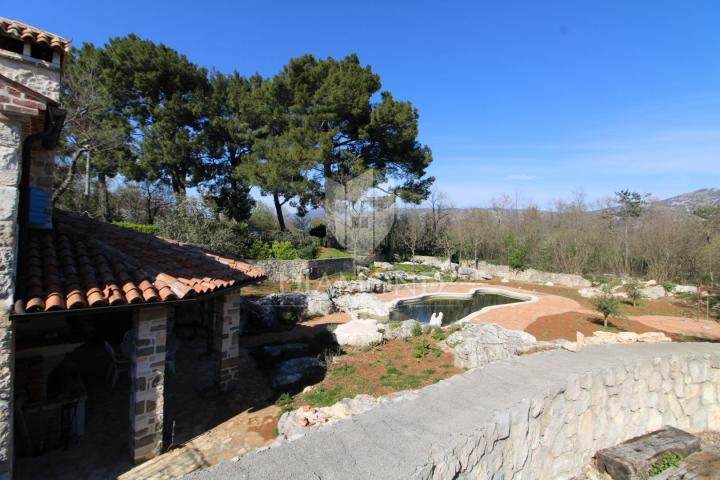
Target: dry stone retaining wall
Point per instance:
(540, 416)
(296, 270)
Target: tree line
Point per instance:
(144, 113)
(625, 235)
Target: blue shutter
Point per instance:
(38, 216)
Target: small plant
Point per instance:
(324, 397)
(285, 403)
(438, 334)
(668, 460)
(421, 349)
(417, 330)
(284, 250)
(607, 304)
(259, 251)
(669, 287)
(342, 371)
(633, 290)
(394, 325)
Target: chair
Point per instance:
(117, 366)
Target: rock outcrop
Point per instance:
(358, 333)
(478, 344)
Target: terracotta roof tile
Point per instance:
(87, 263)
(24, 31)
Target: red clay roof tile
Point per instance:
(23, 31)
(85, 262)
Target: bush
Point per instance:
(139, 227)
(284, 251)
(518, 253)
(417, 330)
(285, 403)
(308, 252)
(191, 222)
(259, 250)
(669, 287)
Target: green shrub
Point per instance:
(669, 287)
(284, 250)
(670, 459)
(285, 403)
(394, 325)
(139, 227)
(308, 252)
(421, 349)
(518, 253)
(417, 330)
(438, 334)
(259, 250)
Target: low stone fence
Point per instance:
(540, 416)
(296, 270)
(503, 271)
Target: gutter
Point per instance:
(54, 119)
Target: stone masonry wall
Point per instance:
(538, 416)
(10, 158)
(43, 77)
(226, 332)
(147, 383)
(296, 270)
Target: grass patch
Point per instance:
(419, 268)
(327, 252)
(324, 397)
(343, 371)
(285, 403)
(670, 459)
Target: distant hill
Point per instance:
(688, 202)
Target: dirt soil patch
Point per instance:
(401, 364)
(565, 325)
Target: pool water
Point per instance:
(453, 309)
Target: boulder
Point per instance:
(473, 274)
(403, 329)
(392, 276)
(653, 292)
(438, 276)
(271, 308)
(362, 303)
(297, 371)
(383, 265)
(601, 337)
(685, 289)
(372, 285)
(476, 345)
(358, 333)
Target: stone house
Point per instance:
(62, 272)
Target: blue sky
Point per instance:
(537, 99)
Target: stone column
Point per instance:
(10, 158)
(147, 370)
(226, 333)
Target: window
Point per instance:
(11, 44)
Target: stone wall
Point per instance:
(503, 271)
(226, 332)
(10, 158)
(296, 270)
(41, 76)
(147, 375)
(539, 416)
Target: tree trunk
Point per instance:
(68, 178)
(605, 321)
(279, 212)
(86, 192)
(103, 200)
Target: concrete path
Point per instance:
(395, 439)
